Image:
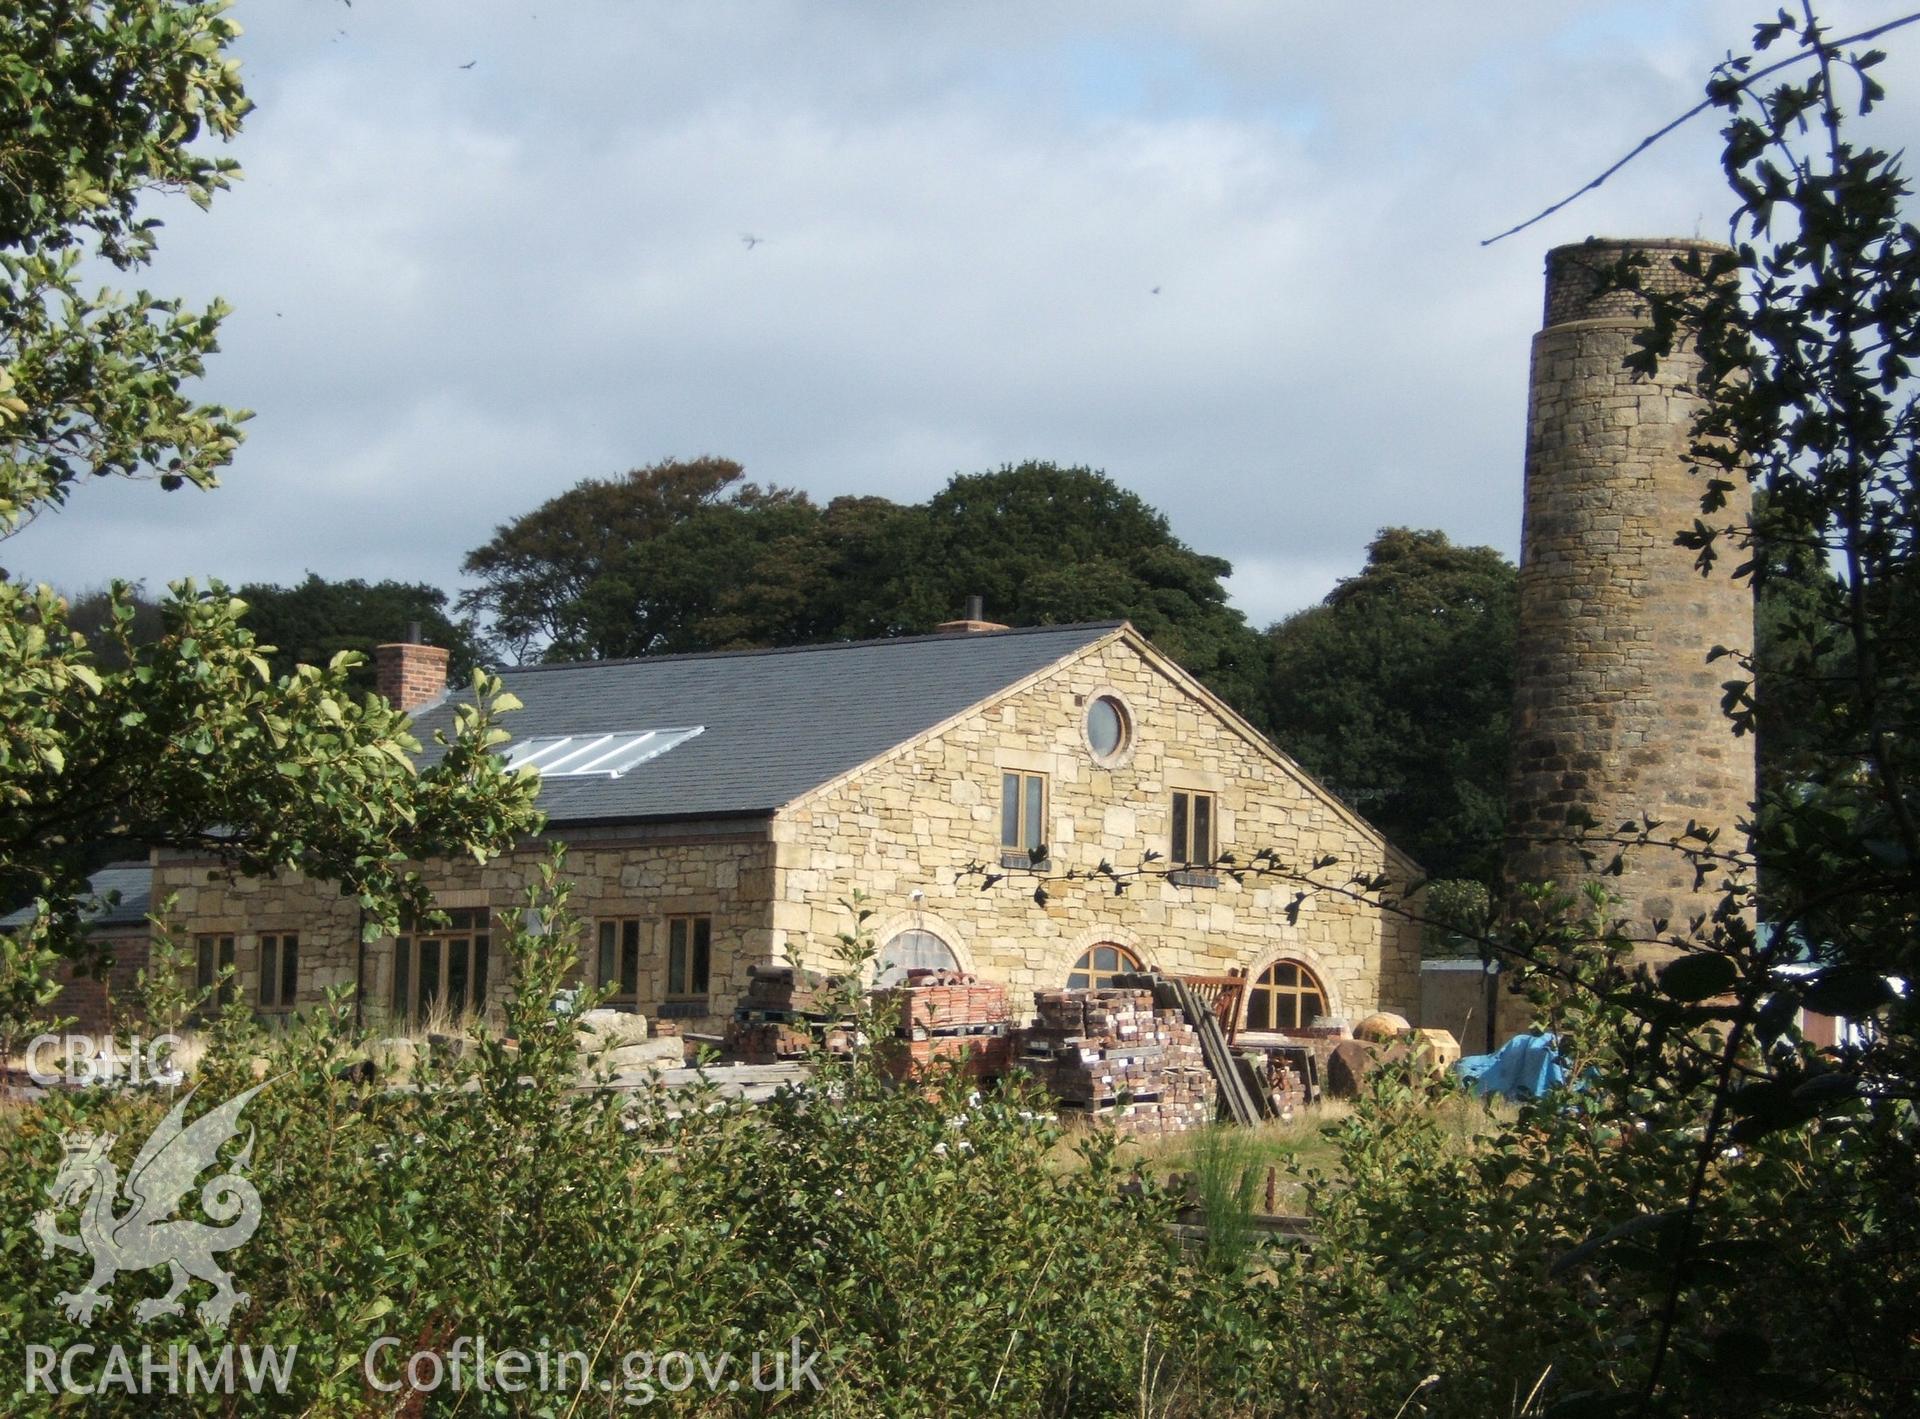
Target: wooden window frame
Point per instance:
(880, 966)
(1188, 846)
(1095, 977)
(1266, 994)
(278, 958)
(1029, 824)
(690, 958)
(467, 927)
(619, 943)
(212, 953)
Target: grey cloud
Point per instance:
(460, 291)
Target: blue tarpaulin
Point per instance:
(1525, 1067)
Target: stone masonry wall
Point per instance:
(909, 822)
(724, 872)
(1616, 708)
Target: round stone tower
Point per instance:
(1615, 706)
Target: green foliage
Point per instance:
(104, 102)
(1367, 691)
(197, 745)
(28, 986)
(91, 614)
(1046, 544)
(927, 1241)
(552, 580)
(186, 738)
(1228, 1164)
(684, 556)
(314, 620)
(1458, 914)
(1545, 1250)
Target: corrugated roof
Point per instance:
(776, 722)
(132, 880)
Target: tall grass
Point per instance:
(1229, 1165)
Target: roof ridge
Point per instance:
(922, 639)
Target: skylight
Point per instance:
(596, 755)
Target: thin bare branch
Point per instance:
(1694, 112)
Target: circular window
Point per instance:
(1107, 728)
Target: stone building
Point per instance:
(717, 808)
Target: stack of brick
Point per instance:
(1286, 1090)
(784, 1013)
(949, 1016)
(786, 990)
(766, 1041)
(1110, 1055)
(947, 1002)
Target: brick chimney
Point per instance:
(974, 620)
(409, 673)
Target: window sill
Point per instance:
(1193, 877)
(1011, 857)
(688, 1009)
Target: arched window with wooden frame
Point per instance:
(1096, 968)
(1286, 996)
(916, 949)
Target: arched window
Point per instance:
(913, 950)
(1096, 969)
(1286, 997)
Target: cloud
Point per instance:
(459, 291)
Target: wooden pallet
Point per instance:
(1171, 992)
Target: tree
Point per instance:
(540, 574)
(188, 739)
(1718, 1217)
(103, 105)
(735, 575)
(91, 614)
(688, 557)
(1050, 545)
(1366, 690)
(314, 620)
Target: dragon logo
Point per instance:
(147, 1234)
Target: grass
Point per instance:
(1291, 1147)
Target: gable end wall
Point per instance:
(912, 820)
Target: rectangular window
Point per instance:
(1192, 837)
(618, 965)
(402, 979)
(689, 955)
(442, 970)
(1023, 811)
(279, 970)
(212, 955)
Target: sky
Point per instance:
(1227, 251)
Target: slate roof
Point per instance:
(132, 880)
(776, 722)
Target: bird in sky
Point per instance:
(470, 63)
(751, 240)
(1156, 290)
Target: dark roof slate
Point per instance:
(132, 880)
(776, 722)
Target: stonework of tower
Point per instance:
(1616, 708)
